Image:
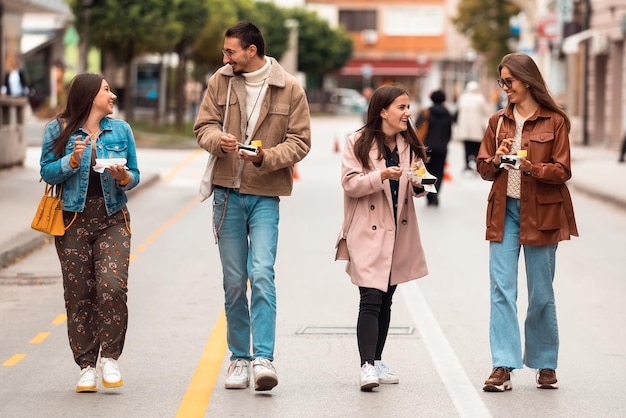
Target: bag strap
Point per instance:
(498, 128)
(226, 113)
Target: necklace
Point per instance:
(92, 135)
(248, 117)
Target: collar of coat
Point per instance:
(540, 113)
(277, 73)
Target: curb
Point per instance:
(617, 201)
(29, 240)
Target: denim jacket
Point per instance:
(115, 141)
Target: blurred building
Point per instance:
(32, 31)
(400, 41)
(579, 46)
(596, 59)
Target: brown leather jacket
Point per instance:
(546, 210)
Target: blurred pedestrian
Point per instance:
(16, 81)
(367, 93)
(94, 252)
(383, 240)
(529, 205)
(193, 96)
(473, 111)
(269, 103)
(440, 122)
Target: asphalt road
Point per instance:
(175, 356)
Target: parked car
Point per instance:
(348, 101)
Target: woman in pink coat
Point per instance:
(380, 224)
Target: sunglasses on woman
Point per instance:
(506, 82)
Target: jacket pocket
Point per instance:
(115, 150)
(549, 210)
(541, 146)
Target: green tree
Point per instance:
(193, 15)
(322, 50)
(126, 29)
(486, 24)
(207, 50)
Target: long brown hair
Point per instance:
(83, 90)
(524, 68)
(372, 132)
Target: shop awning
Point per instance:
(599, 42)
(362, 67)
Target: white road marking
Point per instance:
(461, 390)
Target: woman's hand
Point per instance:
(118, 172)
(503, 149)
(391, 173)
(524, 165)
(79, 148)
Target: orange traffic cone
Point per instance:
(336, 146)
(296, 176)
(446, 172)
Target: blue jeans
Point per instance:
(247, 236)
(541, 332)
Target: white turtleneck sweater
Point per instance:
(256, 87)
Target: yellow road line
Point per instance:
(183, 163)
(39, 338)
(61, 318)
(15, 358)
(198, 394)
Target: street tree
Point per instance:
(193, 15)
(322, 49)
(487, 24)
(126, 29)
(207, 50)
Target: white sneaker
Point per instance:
(384, 373)
(265, 377)
(369, 379)
(87, 381)
(111, 376)
(237, 376)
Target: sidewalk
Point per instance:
(596, 172)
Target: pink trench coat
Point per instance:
(378, 249)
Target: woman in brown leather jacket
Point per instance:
(530, 205)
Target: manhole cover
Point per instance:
(349, 330)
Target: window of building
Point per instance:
(358, 20)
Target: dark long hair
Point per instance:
(83, 90)
(524, 68)
(372, 132)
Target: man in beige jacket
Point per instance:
(251, 101)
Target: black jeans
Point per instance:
(471, 151)
(373, 323)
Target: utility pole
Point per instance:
(83, 45)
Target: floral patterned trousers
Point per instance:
(94, 255)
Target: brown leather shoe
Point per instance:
(546, 379)
(499, 380)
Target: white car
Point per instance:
(348, 100)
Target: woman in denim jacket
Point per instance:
(95, 250)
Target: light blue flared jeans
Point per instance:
(247, 232)
(541, 334)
